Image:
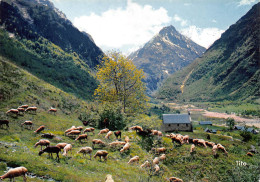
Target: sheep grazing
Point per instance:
(99, 142)
(109, 178)
(31, 109)
(177, 138)
(85, 150)
(160, 134)
(145, 164)
(48, 135)
(23, 106)
(89, 130)
(4, 122)
(127, 139)
(250, 154)
(109, 134)
(192, 149)
(159, 150)
(50, 150)
(221, 147)
(136, 128)
(43, 142)
(200, 142)
(70, 129)
(174, 179)
(12, 111)
(117, 134)
(133, 159)
(29, 124)
(214, 150)
(116, 143)
(103, 131)
(52, 110)
(195, 141)
(74, 132)
(41, 128)
(162, 157)
(154, 132)
(61, 145)
(101, 153)
(186, 138)
(82, 137)
(66, 149)
(156, 160)
(156, 168)
(15, 172)
(80, 128)
(125, 147)
(210, 144)
(21, 110)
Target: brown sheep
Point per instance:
(61, 145)
(214, 150)
(50, 150)
(82, 137)
(101, 153)
(177, 139)
(70, 129)
(174, 179)
(99, 142)
(222, 148)
(156, 160)
(41, 128)
(52, 110)
(116, 143)
(74, 132)
(202, 142)
(192, 149)
(210, 144)
(85, 150)
(27, 123)
(15, 172)
(133, 159)
(80, 128)
(125, 147)
(43, 142)
(103, 131)
(66, 149)
(89, 130)
(12, 111)
(127, 139)
(156, 168)
(145, 164)
(154, 132)
(4, 122)
(24, 106)
(160, 134)
(159, 150)
(136, 128)
(31, 109)
(186, 138)
(48, 135)
(117, 134)
(162, 157)
(21, 110)
(250, 154)
(109, 178)
(109, 134)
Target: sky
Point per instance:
(126, 25)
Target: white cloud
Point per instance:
(187, 4)
(183, 22)
(131, 26)
(246, 2)
(214, 21)
(202, 36)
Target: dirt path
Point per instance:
(249, 122)
(185, 80)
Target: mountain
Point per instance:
(37, 37)
(33, 18)
(229, 70)
(166, 53)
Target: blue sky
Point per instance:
(125, 25)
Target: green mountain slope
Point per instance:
(228, 70)
(50, 63)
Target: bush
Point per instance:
(246, 136)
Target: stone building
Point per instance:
(176, 122)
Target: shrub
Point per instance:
(246, 135)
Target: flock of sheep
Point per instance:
(79, 134)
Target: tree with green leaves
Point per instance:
(230, 123)
(121, 82)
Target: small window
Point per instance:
(169, 125)
(187, 125)
(178, 124)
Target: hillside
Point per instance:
(39, 18)
(17, 144)
(229, 70)
(166, 53)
